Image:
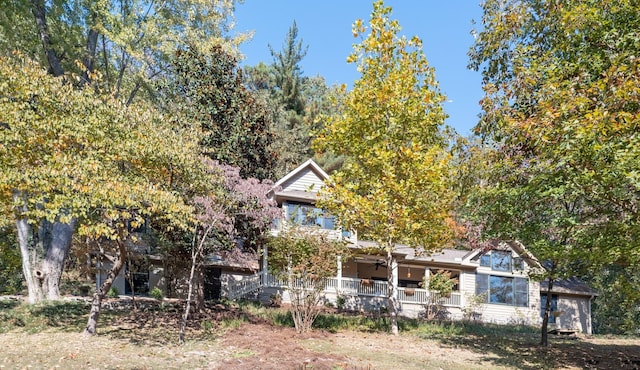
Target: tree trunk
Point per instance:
(96, 302)
(544, 338)
(57, 248)
(391, 293)
(90, 53)
(24, 236)
(39, 12)
(42, 264)
(185, 316)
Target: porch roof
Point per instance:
(449, 256)
(445, 256)
(295, 195)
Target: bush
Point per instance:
(10, 263)
(156, 293)
(113, 292)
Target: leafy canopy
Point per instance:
(561, 108)
(394, 185)
(67, 153)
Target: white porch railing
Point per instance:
(246, 285)
(376, 288)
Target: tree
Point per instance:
(394, 185)
(83, 163)
(288, 74)
(561, 108)
(118, 47)
(207, 88)
(235, 210)
(128, 43)
(304, 258)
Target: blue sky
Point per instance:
(325, 26)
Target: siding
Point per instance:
(305, 180)
(575, 313)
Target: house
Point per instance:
(491, 285)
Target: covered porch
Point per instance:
(356, 287)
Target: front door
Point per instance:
(212, 284)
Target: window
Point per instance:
(518, 264)
(136, 273)
(308, 215)
(552, 309)
(501, 261)
(503, 289)
(485, 260)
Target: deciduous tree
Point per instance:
(236, 212)
(394, 186)
(561, 107)
(304, 257)
(84, 163)
(129, 43)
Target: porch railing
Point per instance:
(377, 288)
(248, 284)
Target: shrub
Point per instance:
(156, 293)
(113, 292)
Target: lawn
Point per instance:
(250, 336)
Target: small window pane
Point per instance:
(501, 261)
(518, 264)
(485, 260)
(328, 222)
(482, 284)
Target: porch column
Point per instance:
(427, 276)
(339, 274)
(265, 265)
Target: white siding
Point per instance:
(305, 180)
(574, 313)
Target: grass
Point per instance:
(149, 335)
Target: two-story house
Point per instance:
(491, 284)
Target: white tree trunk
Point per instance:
(392, 288)
(24, 234)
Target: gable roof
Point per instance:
(514, 245)
(301, 184)
(308, 165)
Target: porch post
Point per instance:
(339, 274)
(427, 275)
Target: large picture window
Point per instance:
(512, 291)
(308, 215)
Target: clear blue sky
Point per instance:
(325, 26)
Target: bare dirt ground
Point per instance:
(147, 339)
